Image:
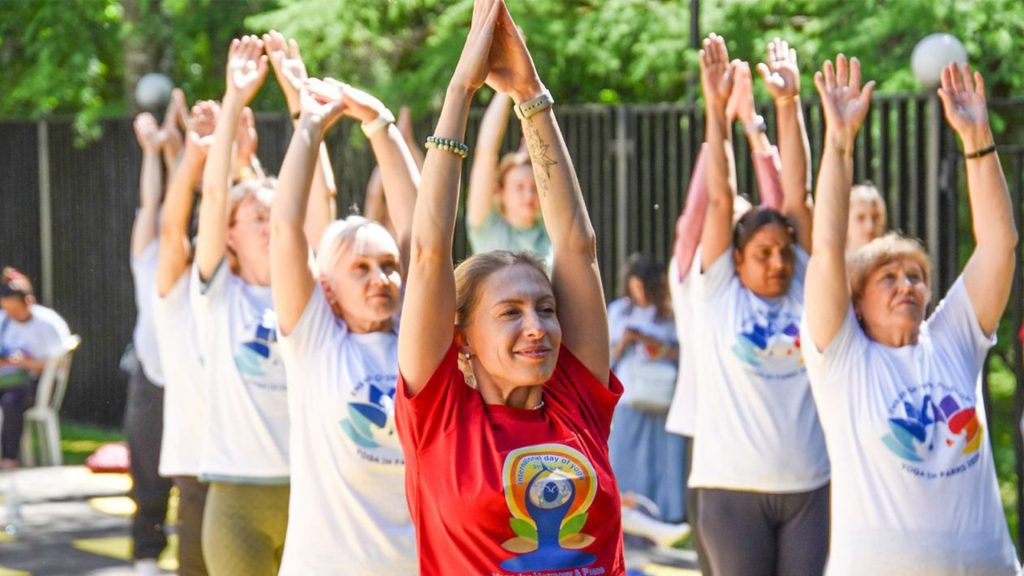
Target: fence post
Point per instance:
(45, 214)
(933, 157)
(621, 185)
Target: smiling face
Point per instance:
(766, 262)
(893, 302)
(518, 195)
(512, 331)
(364, 281)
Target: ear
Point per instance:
(857, 311)
(461, 341)
(329, 296)
(737, 257)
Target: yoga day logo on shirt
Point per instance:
(548, 489)
(257, 359)
(372, 420)
(770, 344)
(936, 439)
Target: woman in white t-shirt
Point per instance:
(338, 322)
(245, 453)
(760, 464)
(914, 486)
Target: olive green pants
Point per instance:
(243, 529)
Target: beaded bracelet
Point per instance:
(448, 145)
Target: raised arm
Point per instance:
(246, 70)
(175, 122)
(716, 79)
(575, 276)
(291, 278)
(826, 286)
(175, 244)
(428, 310)
(144, 229)
(690, 223)
(398, 171)
(483, 174)
(290, 71)
(782, 77)
(740, 106)
(988, 274)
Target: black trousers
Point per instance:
(14, 402)
(143, 428)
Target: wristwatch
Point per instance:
(373, 126)
(530, 107)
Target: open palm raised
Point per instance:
(843, 99)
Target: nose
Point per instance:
(533, 325)
(904, 285)
(776, 261)
(379, 276)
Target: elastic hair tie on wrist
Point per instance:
(980, 153)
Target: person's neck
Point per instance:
(895, 337)
(522, 223)
(521, 397)
(254, 276)
(360, 326)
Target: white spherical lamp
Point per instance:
(153, 91)
(932, 54)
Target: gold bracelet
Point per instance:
(448, 145)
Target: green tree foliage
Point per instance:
(67, 56)
(59, 57)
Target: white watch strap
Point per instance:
(373, 126)
(530, 107)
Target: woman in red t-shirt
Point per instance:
(504, 419)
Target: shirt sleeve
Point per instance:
(954, 328)
(433, 410)
(711, 284)
(205, 297)
(144, 275)
(580, 393)
(843, 349)
(313, 331)
(481, 237)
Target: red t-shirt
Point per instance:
(497, 491)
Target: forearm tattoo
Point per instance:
(540, 154)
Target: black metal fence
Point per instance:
(633, 162)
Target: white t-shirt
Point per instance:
(757, 423)
(40, 338)
(246, 437)
(914, 487)
(185, 379)
(347, 512)
(144, 337)
(683, 413)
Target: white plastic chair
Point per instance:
(42, 417)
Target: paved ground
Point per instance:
(75, 523)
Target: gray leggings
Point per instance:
(760, 534)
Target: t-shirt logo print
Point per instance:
(548, 489)
(368, 421)
(769, 342)
(257, 360)
(933, 428)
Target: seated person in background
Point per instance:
(30, 335)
